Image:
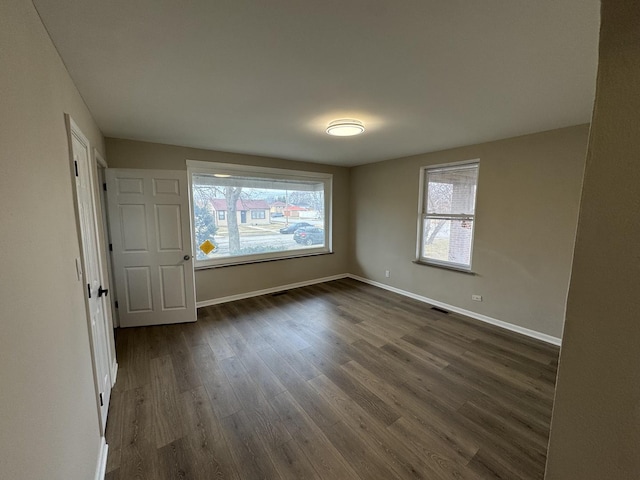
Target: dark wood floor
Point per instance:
(340, 380)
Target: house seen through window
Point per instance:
(447, 217)
(243, 214)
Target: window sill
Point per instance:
(264, 260)
(444, 267)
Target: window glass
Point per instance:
(242, 215)
(448, 215)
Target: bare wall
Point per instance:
(48, 416)
(526, 216)
(220, 282)
(595, 430)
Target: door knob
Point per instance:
(102, 291)
(186, 257)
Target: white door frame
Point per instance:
(74, 131)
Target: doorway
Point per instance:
(91, 266)
(102, 166)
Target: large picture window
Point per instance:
(244, 214)
(447, 215)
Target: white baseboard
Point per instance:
(478, 316)
(101, 467)
(266, 291)
(114, 373)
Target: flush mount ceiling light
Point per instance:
(345, 127)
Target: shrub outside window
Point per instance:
(447, 215)
(244, 214)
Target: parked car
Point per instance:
(294, 226)
(309, 235)
(274, 215)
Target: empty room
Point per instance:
(320, 240)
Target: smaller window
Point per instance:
(447, 215)
(221, 215)
(257, 215)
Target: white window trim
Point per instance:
(421, 216)
(195, 166)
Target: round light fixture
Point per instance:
(345, 127)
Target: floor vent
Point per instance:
(441, 310)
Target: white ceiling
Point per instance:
(266, 77)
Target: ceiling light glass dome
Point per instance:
(345, 127)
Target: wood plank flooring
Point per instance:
(336, 381)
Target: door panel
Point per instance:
(169, 219)
(150, 229)
(166, 186)
(129, 185)
(172, 287)
(133, 228)
(138, 285)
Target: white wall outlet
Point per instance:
(477, 298)
(387, 273)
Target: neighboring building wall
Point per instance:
(595, 431)
(526, 217)
(49, 425)
(309, 215)
(249, 219)
(461, 232)
(262, 217)
(221, 222)
(278, 208)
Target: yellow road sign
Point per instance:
(207, 247)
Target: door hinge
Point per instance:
(89, 290)
(116, 302)
(101, 401)
(104, 187)
(75, 165)
(111, 247)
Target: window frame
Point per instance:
(423, 215)
(211, 168)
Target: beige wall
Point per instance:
(595, 431)
(220, 282)
(527, 207)
(48, 417)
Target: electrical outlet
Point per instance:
(387, 273)
(477, 298)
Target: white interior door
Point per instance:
(91, 274)
(150, 233)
